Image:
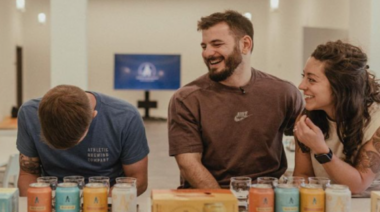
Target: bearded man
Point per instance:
(230, 122)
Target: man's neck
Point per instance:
(240, 77)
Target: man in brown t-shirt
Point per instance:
(230, 121)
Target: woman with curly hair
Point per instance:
(338, 133)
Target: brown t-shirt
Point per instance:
(237, 130)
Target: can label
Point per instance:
(124, 198)
(95, 198)
(67, 198)
(287, 198)
(338, 198)
(312, 199)
(261, 198)
(39, 197)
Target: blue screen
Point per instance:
(147, 71)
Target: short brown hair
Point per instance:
(238, 24)
(65, 114)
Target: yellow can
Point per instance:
(312, 198)
(95, 197)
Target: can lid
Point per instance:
(286, 186)
(67, 185)
(312, 186)
(39, 185)
(337, 187)
(95, 185)
(261, 186)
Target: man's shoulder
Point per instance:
(110, 103)
(30, 105)
(192, 88)
(274, 82)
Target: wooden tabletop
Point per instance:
(8, 123)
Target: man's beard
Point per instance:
(232, 62)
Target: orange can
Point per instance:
(39, 197)
(261, 198)
(95, 197)
(312, 198)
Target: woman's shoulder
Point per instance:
(374, 109)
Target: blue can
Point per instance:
(67, 198)
(287, 198)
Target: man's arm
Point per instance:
(193, 171)
(29, 171)
(138, 170)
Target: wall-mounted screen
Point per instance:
(147, 71)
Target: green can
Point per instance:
(287, 198)
(67, 198)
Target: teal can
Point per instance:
(287, 198)
(6, 202)
(67, 198)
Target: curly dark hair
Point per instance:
(354, 89)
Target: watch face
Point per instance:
(324, 158)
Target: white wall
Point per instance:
(162, 27)
(285, 32)
(36, 49)
(9, 38)
(169, 26)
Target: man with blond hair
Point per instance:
(73, 132)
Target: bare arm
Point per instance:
(138, 170)
(303, 166)
(367, 163)
(29, 171)
(193, 171)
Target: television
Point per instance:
(147, 71)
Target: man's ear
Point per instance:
(247, 44)
(94, 113)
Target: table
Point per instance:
(358, 205)
(8, 127)
(8, 123)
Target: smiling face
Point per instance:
(316, 88)
(221, 53)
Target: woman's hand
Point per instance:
(310, 135)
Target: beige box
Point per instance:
(375, 201)
(194, 200)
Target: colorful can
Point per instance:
(124, 197)
(39, 197)
(95, 197)
(214, 207)
(6, 200)
(9, 199)
(312, 198)
(67, 197)
(338, 198)
(287, 198)
(261, 198)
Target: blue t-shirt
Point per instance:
(116, 137)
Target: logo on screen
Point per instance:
(147, 72)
